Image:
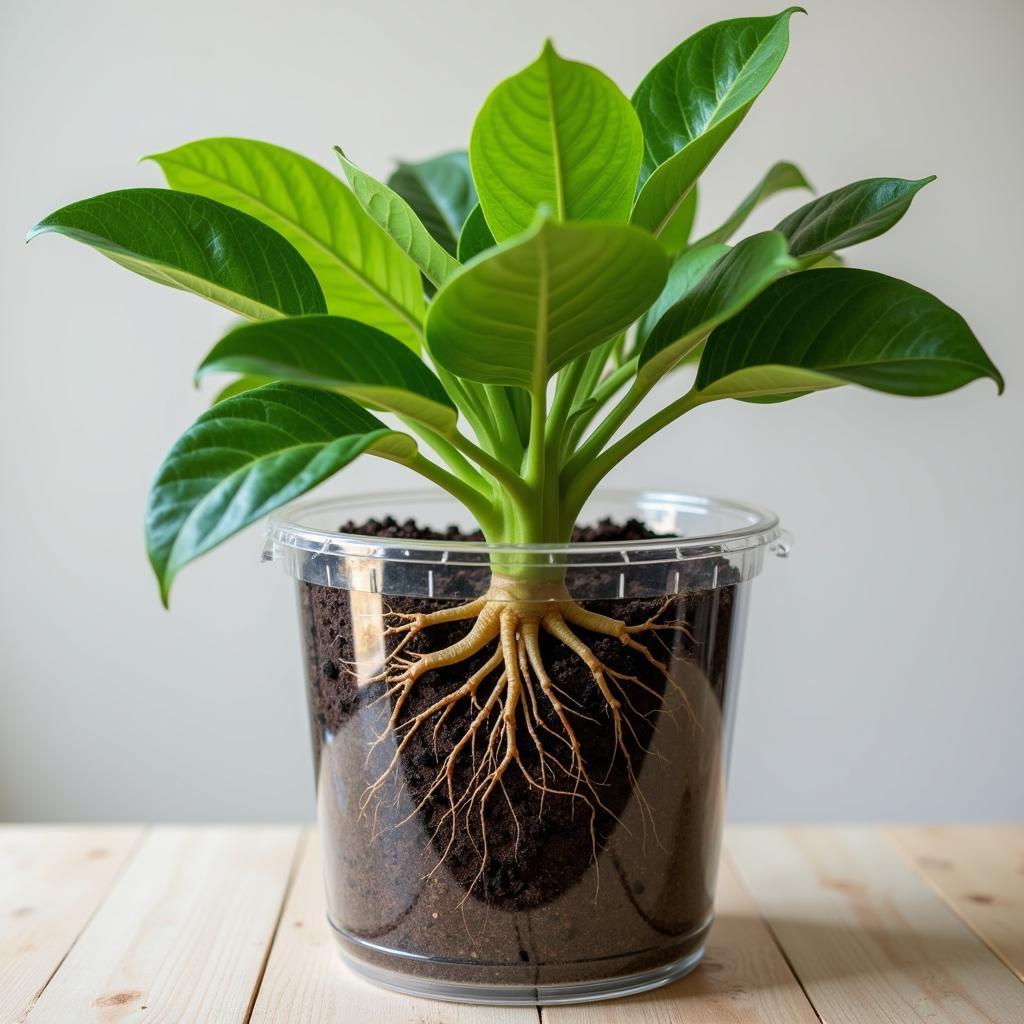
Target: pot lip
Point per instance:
(757, 527)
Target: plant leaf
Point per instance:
(676, 232)
(247, 456)
(517, 315)
(694, 99)
(713, 75)
(683, 276)
(849, 215)
(561, 135)
(822, 328)
(476, 236)
(440, 192)
(194, 244)
(343, 355)
(780, 176)
(239, 386)
(732, 283)
(391, 212)
(363, 273)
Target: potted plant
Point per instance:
(520, 724)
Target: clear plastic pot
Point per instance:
(582, 877)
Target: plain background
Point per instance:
(883, 671)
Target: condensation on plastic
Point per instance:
(703, 543)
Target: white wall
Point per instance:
(883, 674)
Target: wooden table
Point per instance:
(179, 925)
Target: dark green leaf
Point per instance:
(245, 457)
(821, 328)
(476, 236)
(517, 315)
(239, 386)
(707, 79)
(391, 212)
(559, 135)
(780, 176)
(195, 244)
(683, 276)
(441, 193)
(849, 215)
(732, 283)
(346, 356)
(363, 273)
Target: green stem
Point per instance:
(502, 474)
(600, 396)
(508, 431)
(605, 431)
(471, 404)
(487, 515)
(580, 487)
(455, 461)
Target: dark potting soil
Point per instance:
(559, 897)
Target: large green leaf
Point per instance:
(683, 276)
(732, 283)
(476, 236)
(195, 244)
(399, 220)
(560, 135)
(363, 273)
(694, 99)
(675, 235)
(239, 386)
(706, 79)
(849, 215)
(821, 328)
(441, 193)
(780, 176)
(247, 456)
(517, 315)
(344, 355)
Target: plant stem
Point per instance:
(455, 461)
(578, 488)
(482, 508)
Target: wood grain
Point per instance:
(183, 934)
(52, 878)
(869, 940)
(979, 871)
(306, 981)
(743, 978)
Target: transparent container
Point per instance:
(588, 871)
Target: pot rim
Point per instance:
(755, 527)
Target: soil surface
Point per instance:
(561, 896)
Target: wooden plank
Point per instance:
(52, 878)
(306, 981)
(743, 978)
(979, 871)
(183, 934)
(867, 937)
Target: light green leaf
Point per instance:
(389, 210)
(780, 176)
(343, 355)
(730, 285)
(683, 276)
(518, 314)
(363, 273)
(849, 215)
(194, 244)
(560, 135)
(247, 456)
(441, 193)
(476, 236)
(822, 328)
(676, 233)
(709, 78)
(694, 99)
